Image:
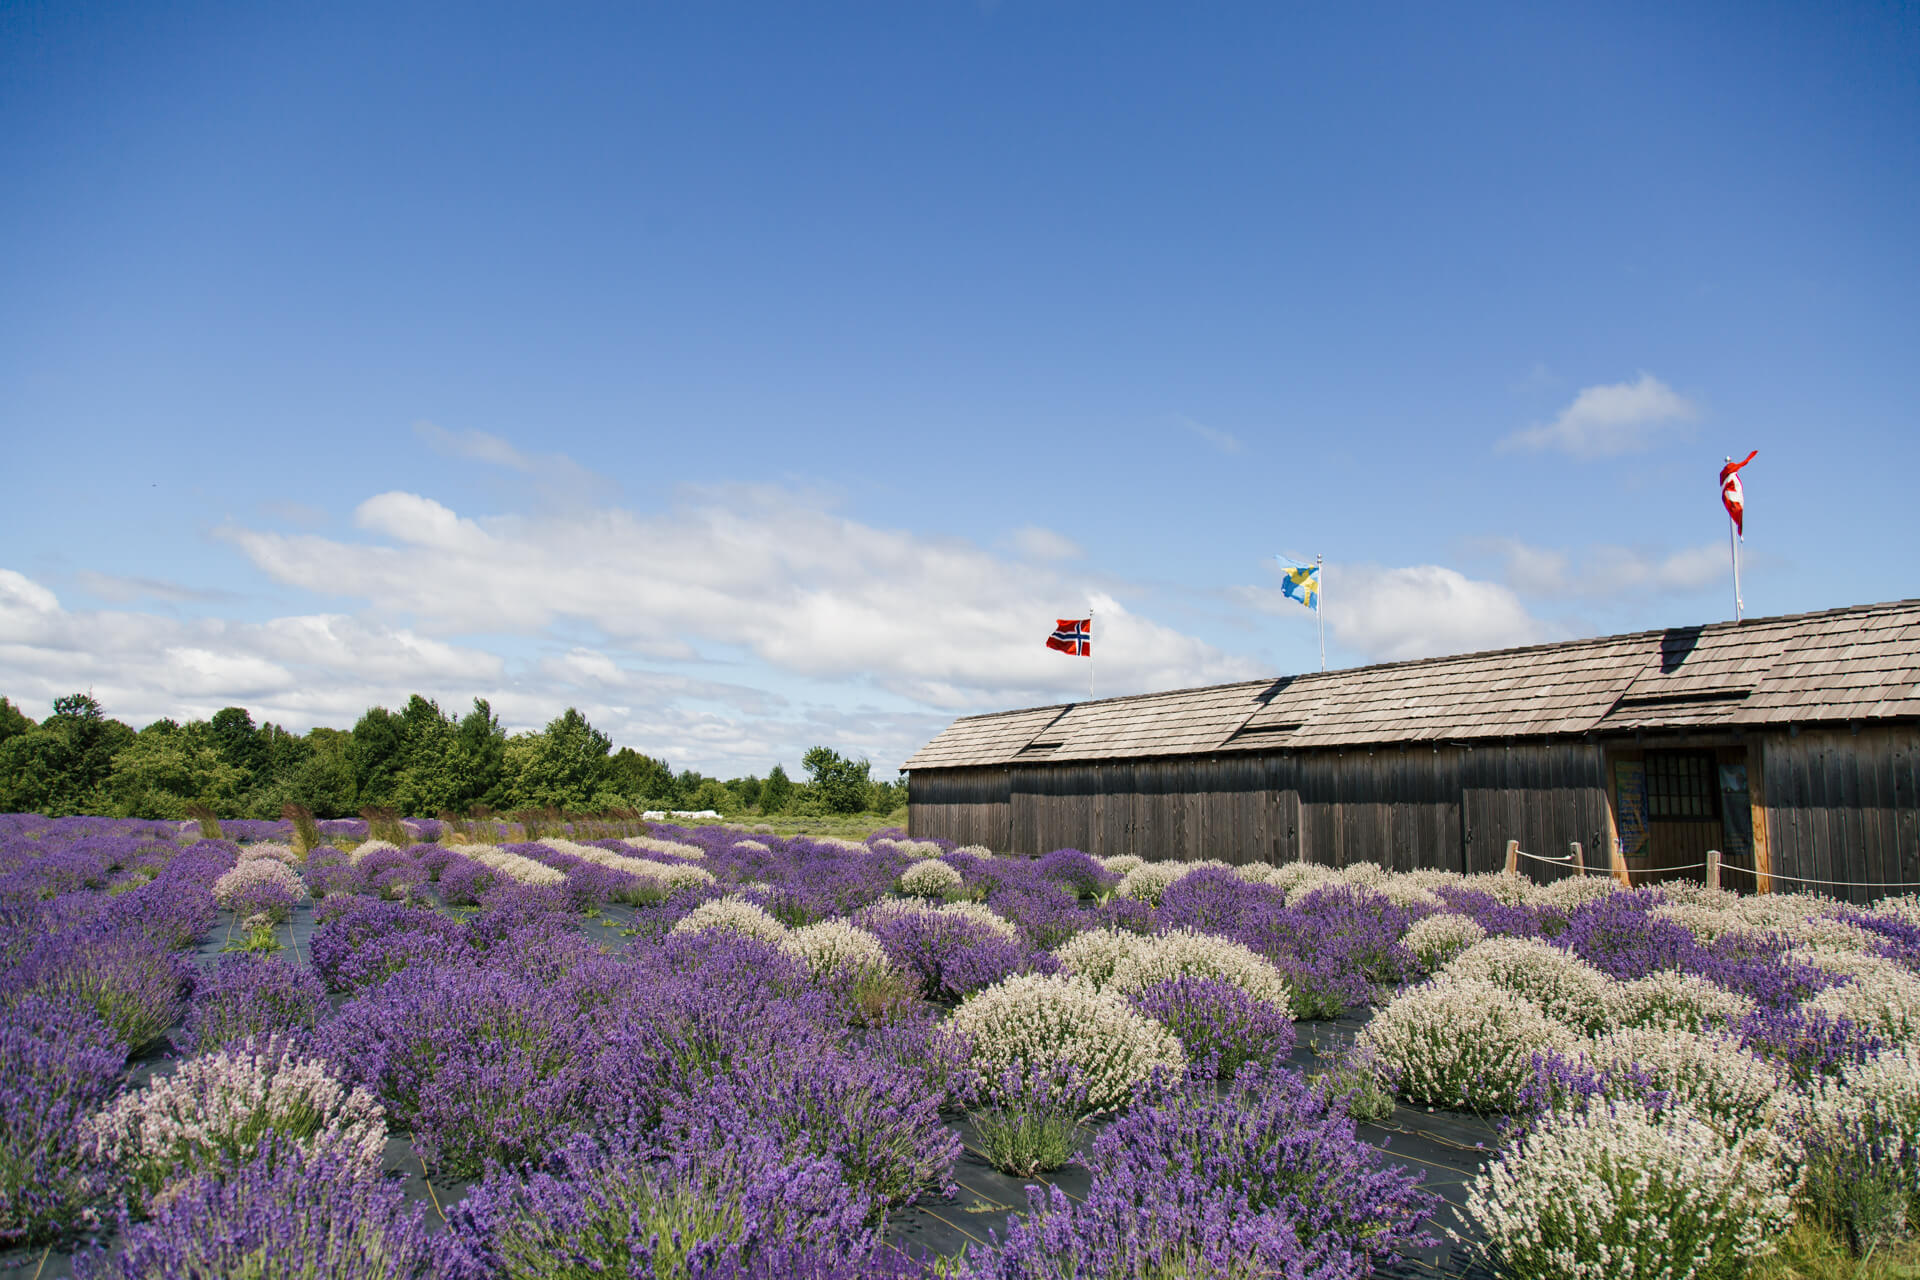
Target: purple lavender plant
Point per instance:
(1214, 900)
(951, 957)
(1756, 966)
(1808, 1043)
(1046, 916)
(692, 1015)
(618, 1211)
(172, 910)
(1899, 940)
(432, 858)
(1498, 918)
(289, 1214)
(137, 987)
(1616, 935)
(1028, 1117)
(251, 995)
(482, 1063)
(1220, 1026)
(1266, 1178)
(1080, 872)
(58, 1061)
(881, 1130)
(462, 882)
(374, 939)
(1363, 926)
(1127, 914)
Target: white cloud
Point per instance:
(555, 474)
(1424, 610)
(121, 588)
(770, 574)
(1619, 417)
(806, 627)
(1037, 543)
(1420, 611)
(22, 598)
(1224, 441)
(1605, 571)
(300, 671)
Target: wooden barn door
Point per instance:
(1683, 812)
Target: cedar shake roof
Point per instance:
(1860, 663)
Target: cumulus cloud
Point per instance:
(1614, 418)
(736, 627)
(772, 575)
(325, 669)
(1605, 571)
(1037, 543)
(1427, 609)
(301, 671)
(1418, 611)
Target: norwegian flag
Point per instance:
(1073, 636)
(1732, 496)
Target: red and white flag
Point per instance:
(1073, 636)
(1732, 496)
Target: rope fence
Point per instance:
(1714, 863)
(1844, 884)
(1568, 861)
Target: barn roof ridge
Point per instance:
(1687, 675)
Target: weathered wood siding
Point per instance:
(1404, 807)
(1844, 806)
(967, 806)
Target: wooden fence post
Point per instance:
(1513, 857)
(1579, 860)
(1617, 863)
(1713, 868)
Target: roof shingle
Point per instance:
(1857, 663)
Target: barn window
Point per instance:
(1681, 786)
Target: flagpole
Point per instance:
(1733, 548)
(1320, 604)
(1733, 544)
(1089, 653)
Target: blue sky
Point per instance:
(759, 375)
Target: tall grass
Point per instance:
(208, 820)
(384, 824)
(306, 832)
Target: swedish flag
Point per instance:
(1301, 582)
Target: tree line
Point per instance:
(418, 760)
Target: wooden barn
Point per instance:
(1790, 744)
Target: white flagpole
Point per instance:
(1733, 546)
(1089, 653)
(1739, 605)
(1320, 604)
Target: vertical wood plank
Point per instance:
(1906, 805)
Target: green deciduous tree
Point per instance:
(13, 721)
(839, 784)
(324, 781)
(377, 754)
(425, 782)
(63, 765)
(479, 754)
(236, 740)
(641, 778)
(164, 769)
(568, 766)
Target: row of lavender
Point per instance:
(758, 1079)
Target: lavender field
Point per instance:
(717, 1053)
